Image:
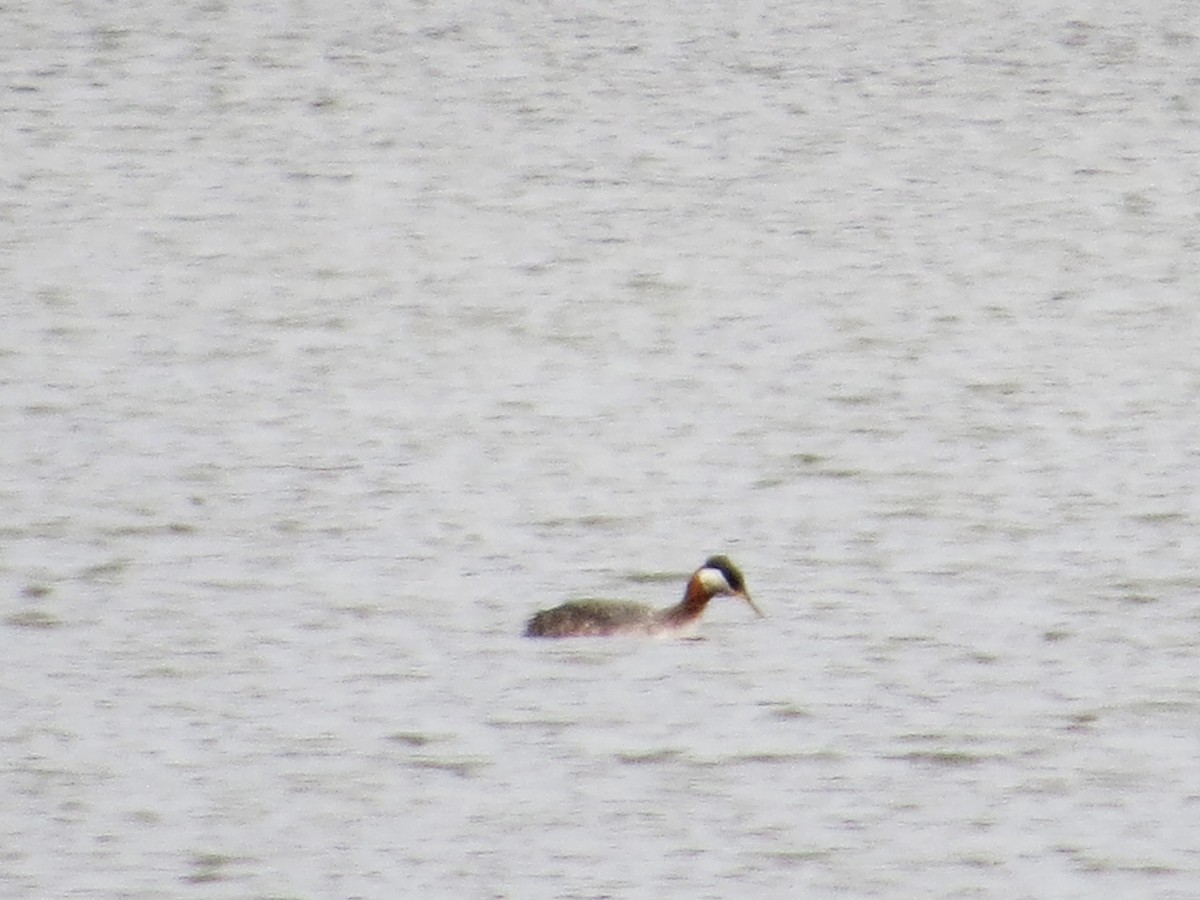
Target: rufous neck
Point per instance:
(695, 598)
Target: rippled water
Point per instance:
(339, 337)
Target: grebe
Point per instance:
(597, 618)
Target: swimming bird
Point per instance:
(600, 618)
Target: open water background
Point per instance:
(338, 337)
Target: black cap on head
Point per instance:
(731, 572)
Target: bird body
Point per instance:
(602, 618)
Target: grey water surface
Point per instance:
(338, 337)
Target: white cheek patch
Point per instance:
(714, 582)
